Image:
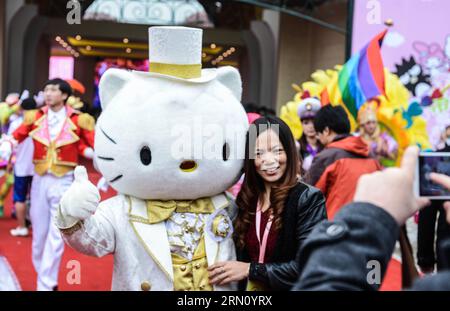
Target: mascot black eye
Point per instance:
(146, 155)
(225, 151)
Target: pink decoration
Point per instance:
(61, 67)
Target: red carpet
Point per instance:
(96, 273)
(393, 278)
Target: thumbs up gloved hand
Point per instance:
(81, 199)
(7, 145)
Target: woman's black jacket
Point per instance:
(304, 209)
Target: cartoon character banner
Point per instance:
(416, 48)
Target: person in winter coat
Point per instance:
(337, 168)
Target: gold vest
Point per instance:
(52, 164)
(189, 275)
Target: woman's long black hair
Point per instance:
(253, 184)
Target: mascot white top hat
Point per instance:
(176, 53)
(170, 141)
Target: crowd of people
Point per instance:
(49, 141)
(298, 210)
(310, 214)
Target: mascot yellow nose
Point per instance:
(188, 166)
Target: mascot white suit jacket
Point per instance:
(170, 141)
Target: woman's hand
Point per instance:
(222, 273)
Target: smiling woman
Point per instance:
(276, 212)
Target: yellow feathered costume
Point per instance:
(389, 113)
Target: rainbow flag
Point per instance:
(362, 77)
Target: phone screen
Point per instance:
(433, 162)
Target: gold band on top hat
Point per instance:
(176, 70)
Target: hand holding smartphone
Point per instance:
(429, 162)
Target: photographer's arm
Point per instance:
(338, 255)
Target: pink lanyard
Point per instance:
(263, 245)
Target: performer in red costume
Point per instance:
(60, 134)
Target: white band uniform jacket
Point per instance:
(142, 256)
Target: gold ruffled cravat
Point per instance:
(158, 211)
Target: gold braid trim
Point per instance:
(69, 231)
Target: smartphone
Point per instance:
(437, 162)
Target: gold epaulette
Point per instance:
(29, 116)
(86, 121)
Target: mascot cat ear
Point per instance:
(111, 83)
(230, 77)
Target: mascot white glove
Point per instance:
(102, 184)
(7, 146)
(89, 153)
(81, 199)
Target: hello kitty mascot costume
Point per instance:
(170, 141)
